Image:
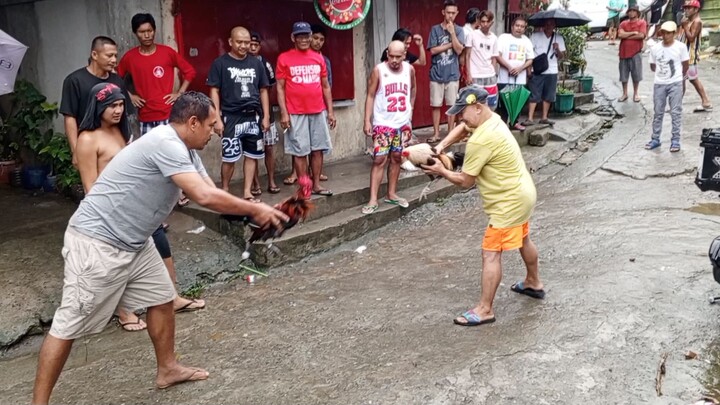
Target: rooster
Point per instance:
(297, 207)
(424, 154)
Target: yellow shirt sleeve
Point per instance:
(476, 157)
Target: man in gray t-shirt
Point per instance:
(446, 43)
(110, 259)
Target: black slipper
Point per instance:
(530, 292)
(187, 308)
(273, 190)
(326, 193)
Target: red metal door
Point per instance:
(202, 28)
(419, 16)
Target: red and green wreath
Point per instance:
(342, 14)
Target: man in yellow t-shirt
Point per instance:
(494, 163)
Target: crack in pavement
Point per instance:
(619, 172)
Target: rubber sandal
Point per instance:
(530, 292)
(636, 99)
(273, 190)
(433, 140)
(401, 202)
(252, 199)
(472, 319)
(188, 307)
(675, 147)
(323, 177)
(326, 193)
(528, 122)
(197, 375)
(256, 191)
(653, 144)
(369, 209)
(519, 127)
(703, 108)
(622, 99)
(124, 325)
(183, 201)
(289, 181)
(547, 122)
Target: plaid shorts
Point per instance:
(145, 127)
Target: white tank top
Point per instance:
(392, 100)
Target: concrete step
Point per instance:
(330, 231)
(336, 219)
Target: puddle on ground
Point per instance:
(706, 209)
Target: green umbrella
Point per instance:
(514, 97)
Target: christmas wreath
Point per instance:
(342, 14)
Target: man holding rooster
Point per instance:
(494, 163)
(390, 99)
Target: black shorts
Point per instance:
(543, 88)
(655, 16)
(242, 136)
(613, 22)
(162, 244)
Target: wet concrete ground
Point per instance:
(623, 237)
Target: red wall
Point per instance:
(205, 25)
(419, 16)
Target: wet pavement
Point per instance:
(623, 236)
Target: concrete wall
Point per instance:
(59, 33)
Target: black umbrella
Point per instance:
(562, 17)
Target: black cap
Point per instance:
(468, 95)
(255, 37)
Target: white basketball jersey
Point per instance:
(392, 100)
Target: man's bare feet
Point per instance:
(178, 375)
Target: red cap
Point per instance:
(692, 3)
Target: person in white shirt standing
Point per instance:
(669, 60)
(543, 84)
(515, 55)
(480, 58)
(389, 103)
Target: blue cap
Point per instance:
(301, 27)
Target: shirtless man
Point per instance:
(105, 132)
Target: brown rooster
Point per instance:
(297, 207)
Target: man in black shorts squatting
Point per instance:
(239, 90)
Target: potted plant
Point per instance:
(575, 45)
(58, 156)
(8, 153)
(565, 97)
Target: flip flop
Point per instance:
(622, 99)
(472, 319)
(369, 209)
(189, 308)
(703, 108)
(433, 140)
(675, 147)
(289, 181)
(547, 122)
(125, 325)
(326, 193)
(530, 292)
(528, 122)
(653, 144)
(273, 190)
(323, 177)
(196, 375)
(401, 202)
(183, 201)
(256, 191)
(636, 99)
(252, 199)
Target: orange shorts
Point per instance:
(499, 239)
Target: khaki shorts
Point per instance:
(438, 91)
(100, 277)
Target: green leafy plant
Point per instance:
(30, 125)
(575, 44)
(564, 90)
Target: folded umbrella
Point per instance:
(514, 97)
(562, 17)
(11, 55)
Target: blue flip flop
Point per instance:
(472, 319)
(653, 144)
(530, 292)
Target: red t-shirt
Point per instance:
(153, 78)
(302, 72)
(631, 47)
